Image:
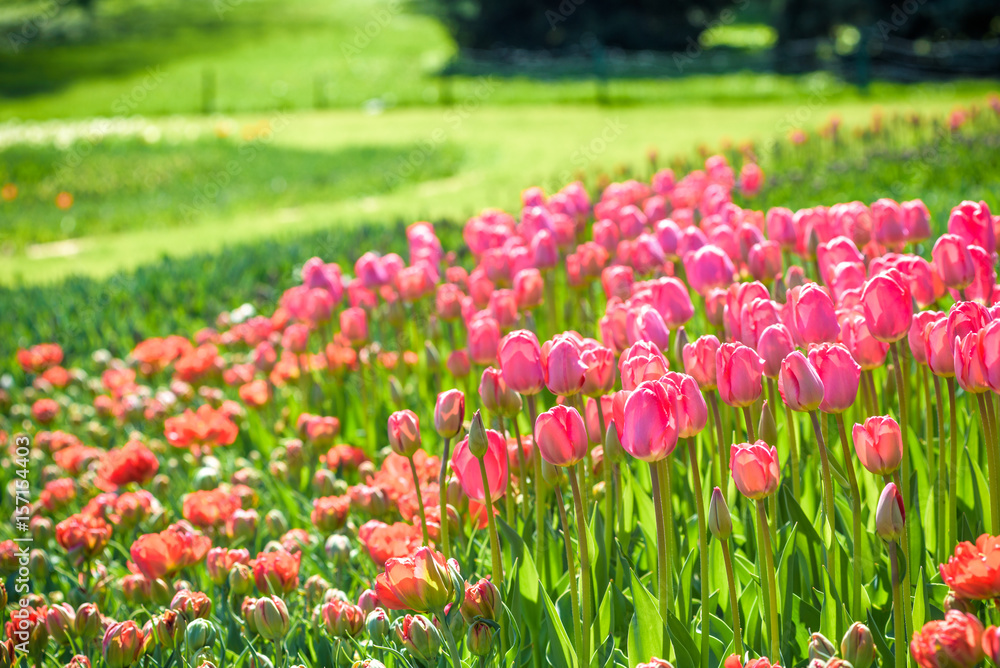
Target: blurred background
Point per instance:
(137, 130)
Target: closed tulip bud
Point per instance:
(478, 440)
(755, 469)
(496, 395)
(767, 430)
(324, 483)
(38, 564)
(377, 625)
(368, 601)
(553, 475)
(613, 450)
(404, 432)
(200, 633)
(739, 372)
(720, 523)
(449, 412)
(952, 602)
(991, 644)
(799, 383)
(271, 617)
(3, 597)
(240, 579)
(820, 647)
(419, 637)
(888, 306)
(680, 342)
(122, 644)
(168, 628)
(338, 547)
(276, 523)
(41, 530)
(561, 436)
(395, 391)
(481, 600)
(858, 646)
(60, 621)
(480, 639)
(432, 356)
(890, 514)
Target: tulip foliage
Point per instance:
(643, 425)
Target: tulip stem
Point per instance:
(793, 452)
(543, 570)
(751, 434)
(904, 540)
(899, 642)
(772, 592)
(523, 469)
(582, 535)
(702, 550)
(733, 599)
(952, 465)
(509, 496)
(829, 510)
(942, 470)
(420, 501)
(443, 501)
(456, 656)
(661, 553)
(713, 400)
(495, 554)
(574, 595)
(903, 425)
(985, 409)
(609, 533)
(855, 520)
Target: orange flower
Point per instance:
(133, 462)
(423, 582)
(82, 536)
(385, 541)
(202, 429)
(39, 357)
(954, 642)
(159, 555)
(330, 512)
(974, 570)
(210, 508)
(276, 572)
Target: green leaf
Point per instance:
(683, 644)
(920, 601)
(645, 634)
(560, 651)
(888, 658)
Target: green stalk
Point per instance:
(456, 656)
(899, 642)
(702, 550)
(772, 591)
(666, 494)
(661, 553)
(581, 530)
(953, 465)
(713, 400)
(733, 599)
(903, 425)
(829, 511)
(852, 478)
(494, 550)
(904, 540)
(751, 432)
(443, 500)
(991, 461)
(942, 473)
(574, 594)
(523, 467)
(509, 496)
(420, 502)
(539, 498)
(793, 452)
(609, 527)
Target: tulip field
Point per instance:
(689, 417)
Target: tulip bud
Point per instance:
(368, 601)
(38, 564)
(432, 356)
(779, 291)
(60, 620)
(417, 634)
(858, 646)
(613, 450)
(395, 391)
(3, 597)
(719, 520)
(449, 412)
(821, 648)
(200, 633)
(41, 529)
(680, 340)
(991, 644)
(240, 579)
(271, 617)
(88, 621)
(890, 514)
(478, 441)
(275, 522)
(952, 602)
(480, 600)
(338, 547)
(767, 430)
(377, 625)
(554, 475)
(122, 644)
(324, 483)
(480, 639)
(168, 628)
(404, 432)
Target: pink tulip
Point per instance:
(813, 318)
(764, 261)
(974, 224)
(937, 347)
(840, 374)
(708, 267)
(650, 424)
(448, 301)
(354, 326)
(915, 337)
(692, 412)
(781, 227)
(888, 306)
(738, 298)
(889, 226)
(617, 281)
(561, 436)
(484, 336)
(981, 288)
(404, 432)
(496, 395)
(600, 374)
(953, 261)
(643, 361)
(773, 345)
(835, 252)
(866, 349)
(755, 318)
(449, 412)
(528, 287)
(521, 362)
(644, 323)
(739, 372)
(879, 444)
(699, 360)
(970, 363)
(670, 297)
(503, 308)
(799, 383)
(755, 469)
(467, 470)
(917, 220)
(565, 373)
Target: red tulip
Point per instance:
(83, 537)
(813, 318)
(953, 261)
(449, 412)
(879, 444)
(122, 644)
(650, 426)
(484, 337)
(699, 360)
(973, 572)
(888, 306)
(276, 572)
(773, 345)
(840, 374)
(799, 384)
(424, 582)
(466, 467)
(739, 371)
(561, 436)
(955, 642)
(643, 361)
(755, 469)
(161, 555)
(565, 373)
(521, 362)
